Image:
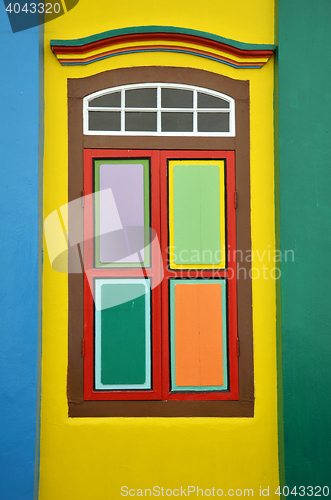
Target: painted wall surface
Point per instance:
(91, 458)
(19, 54)
(305, 227)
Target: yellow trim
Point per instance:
(221, 165)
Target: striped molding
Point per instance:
(161, 39)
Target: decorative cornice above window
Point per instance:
(138, 39)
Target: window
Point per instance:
(159, 109)
(129, 354)
(157, 333)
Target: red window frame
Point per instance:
(91, 273)
(229, 273)
(160, 294)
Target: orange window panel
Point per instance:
(198, 324)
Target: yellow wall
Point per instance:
(91, 458)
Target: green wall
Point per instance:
(304, 120)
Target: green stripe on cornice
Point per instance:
(160, 29)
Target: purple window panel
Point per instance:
(122, 213)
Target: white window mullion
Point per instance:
(122, 110)
(195, 113)
(158, 104)
(105, 109)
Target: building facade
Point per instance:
(209, 125)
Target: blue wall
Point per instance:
(19, 84)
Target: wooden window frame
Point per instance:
(91, 273)
(159, 209)
(229, 273)
(243, 406)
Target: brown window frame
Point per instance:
(77, 142)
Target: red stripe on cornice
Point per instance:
(178, 47)
(170, 37)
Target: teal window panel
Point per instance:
(122, 334)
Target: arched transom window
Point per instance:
(159, 109)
